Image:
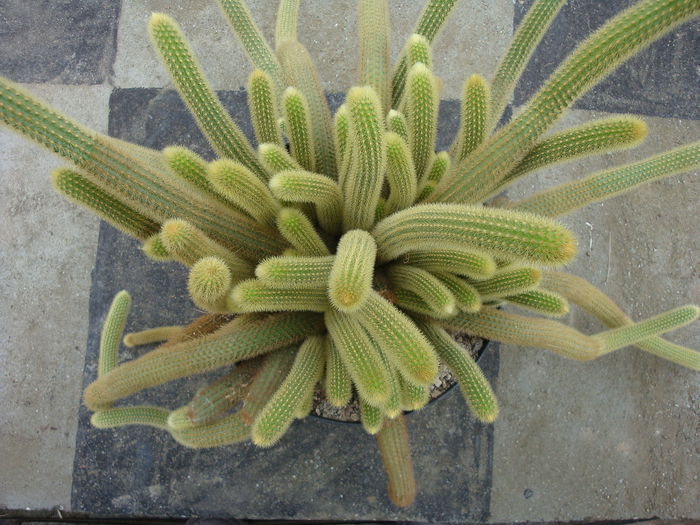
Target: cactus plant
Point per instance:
(347, 259)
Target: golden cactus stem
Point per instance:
(154, 249)
(422, 101)
(475, 113)
(371, 417)
(151, 335)
(298, 230)
(341, 134)
(392, 406)
(338, 384)
(392, 441)
(74, 186)
(454, 259)
(255, 296)
(298, 119)
(505, 233)
(467, 298)
(296, 271)
(278, 413)
(209, 283)
(151, 416)
(307, 187)
(373, 26)
(475, 388)
(437, 168)
(413, 397)
(541, 301)
(508, 282)
(360, 357)
(225, 431)
(436, 295)
(411, 301)
(263, 108)
(112, 332)
(239, 339)
(396, 123)
(596, 303)
(301, 73)
(566, 198)
(275, 158)
(201, 326)
(400, 174)
(350, 279)
(286, 21)
(400, 339)
(416, 51)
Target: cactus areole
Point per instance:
(345, 249)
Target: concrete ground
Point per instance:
(612, 439)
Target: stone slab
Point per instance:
(61, 42)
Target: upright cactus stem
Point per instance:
(112, 332)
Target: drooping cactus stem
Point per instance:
(112, 332)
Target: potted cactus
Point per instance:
(345, 250)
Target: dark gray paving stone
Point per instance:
(58, 41)
(662, 81)
(319, 470)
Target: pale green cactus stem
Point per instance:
(341, 133)
(371, 417)
(436, 295)
(275, 158)
(454, 259)
(505, 233)
(338, 384)
(437, 168)
(112, 332)
(298, 119)
(599, 136)
(263, 108)
(151, 335)
(256, 296)
(80, 190)
(474, 386)
(295, 271)
(541, 301)
(360, 357)
(307, 187)
(418, 50)
(154, 249)
(396, 123)
(413, 397)
(225, 431)
(566, 198)
(209, 283)
(278, 413)
(363, 184)
(431, 20)
(392, 406)
(475, 113)
(301, 73)
(392, 441)
(188, 244)
(192, 168)
(240, 186)
(373, 26)
(395, 333)
(411, 301)
(467, 298)
(528, 34)
(350, 279)
(380, 212)
(139, 415)
(286, 22)
(508, 282)
(239, 339)
(252, 40)
(400, 174)
(480, 173)
(297, 229)
(222, 132)
(592, 300)
(422, 100)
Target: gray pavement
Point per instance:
(612, 439)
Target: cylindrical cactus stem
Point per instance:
(360, 357)
(201, 326)
(405, 346)
(224, 135)
(371, 417)
(255, 296)
(417, 50)
(541, 301)
(350, 280)
(192, 168)
(239, 339)
(225, 431)
(437, 167)
(422, 100)
(475, 115)
(338, 384)
(71, 184)
(295, 271)
(275, 158)
(286, 21)
(392, 406)
(298, 119)
(508, 282)
(363, 182)
(209, 283)
(139, 415)
(152, 335)
(396, 123)
(373, 25)
(475, 387)
(512, 235)
(467, 298)
(263, 108)
(413, 397)
(297, 229)
(496, 325)
(436, 295)
(275, 418)
(455, 259)
(392, 441)
(154, 249)
(304, 186)
(239, 185)
(341, 134)
(112, 332)
(411, 301)
(400, 174)
(566, 198)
